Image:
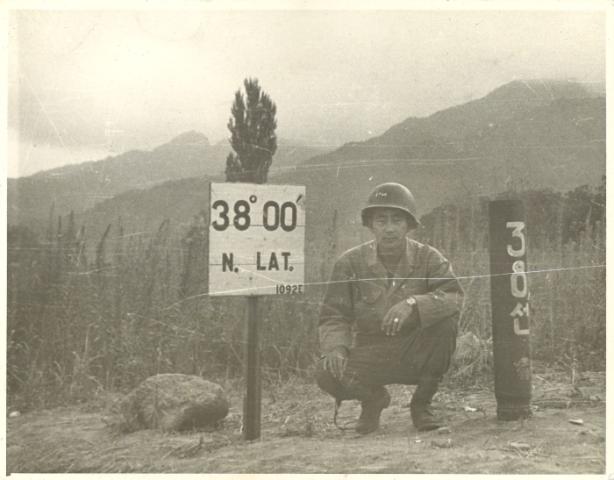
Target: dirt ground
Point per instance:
(298, 436)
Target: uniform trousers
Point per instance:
(419, 357)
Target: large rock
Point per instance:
(173, 401)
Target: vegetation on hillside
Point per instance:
(81, 320)
(103, 298)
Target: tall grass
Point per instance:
(566, 264)
(137, 307)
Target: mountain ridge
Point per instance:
(79, 187)
(552, 140)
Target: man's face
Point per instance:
(389, 225)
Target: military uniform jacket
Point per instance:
(360, 293)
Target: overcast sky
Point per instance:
(83, 84)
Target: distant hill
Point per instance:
(450, 132)
(521, 136)
(82, 186)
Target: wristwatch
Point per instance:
(411, 301)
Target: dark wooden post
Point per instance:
(510, 309)
(252, 399)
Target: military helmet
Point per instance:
(392, 195)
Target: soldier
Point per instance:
(389, 315)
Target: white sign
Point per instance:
(256, 239)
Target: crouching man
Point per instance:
(389, 315)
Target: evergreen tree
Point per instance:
(252, 127)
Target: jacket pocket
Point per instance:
(369, 292)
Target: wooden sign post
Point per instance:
(509, 291)
(252, 411)
(256, 247)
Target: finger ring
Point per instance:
(396, 320)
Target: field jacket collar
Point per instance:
(404, 269)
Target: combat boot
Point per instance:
(424, 419)
(421, 414)
(371, 410)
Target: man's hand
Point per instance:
(398, 317)
(335, 360)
